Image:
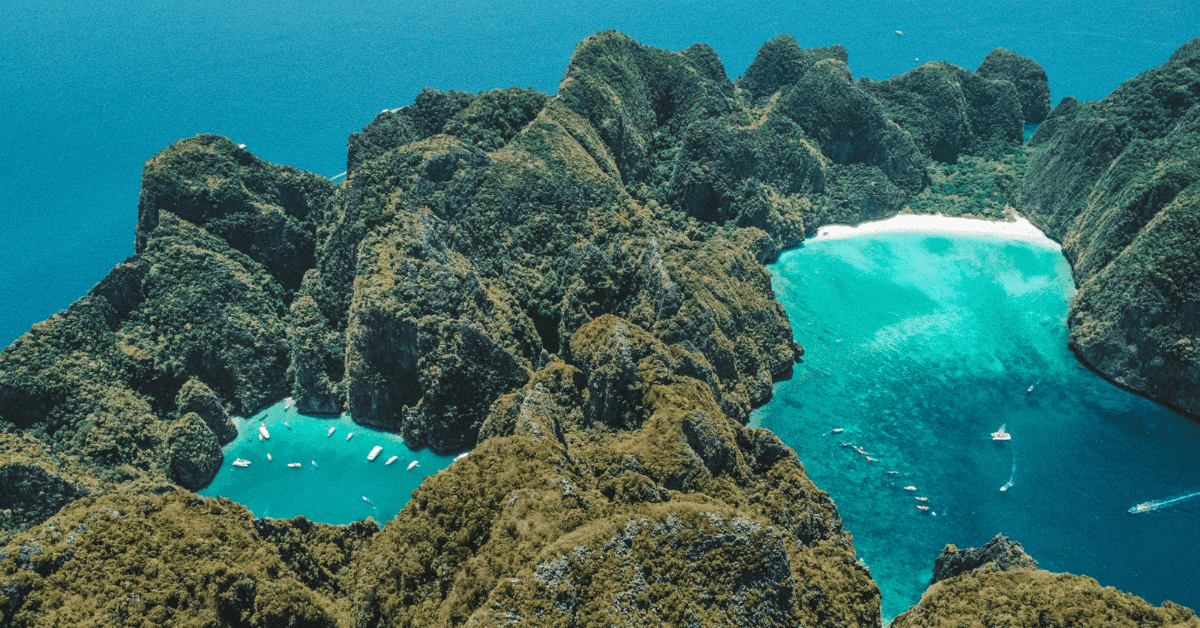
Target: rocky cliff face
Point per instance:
(1000, 585)
(1116, 182)
(571, 284)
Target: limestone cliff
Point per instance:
(1116, 181)
(571, 284)
(1000, 585)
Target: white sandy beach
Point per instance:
(1018, 229)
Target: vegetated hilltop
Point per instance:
(573, 285)
(1000, 585)
(1116, 180)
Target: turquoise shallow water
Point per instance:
(919, 347)
(333, 490)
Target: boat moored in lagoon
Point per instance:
(1000, 434)
(331, 431)
(295, 465)
(241, 463)
(412, 464)
(391, 460)
(262, 431)
(374, 452)
(348, 436)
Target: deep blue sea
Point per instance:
(335, 483)
(920, 347)
(93, 88)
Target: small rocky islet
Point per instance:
(573, 287)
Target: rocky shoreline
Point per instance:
(574, 286)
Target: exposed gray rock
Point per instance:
(998, 554)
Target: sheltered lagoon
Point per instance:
(919, 345)
(333, 489)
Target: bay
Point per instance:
(920, 346)
(335, 483)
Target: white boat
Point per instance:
(926, 508)
(262, 431)
(331, 431)
(412, 464)
(259, 438)
(374, 452)
(367, 500)
(922, 499)
(268, 457)
(314, 463)
(910, 488)
(349, 435)
(1000, 434)
(462, 455)
(294, 465)
(287, 403)
(391, 460)
(838, 430)
(241, 463)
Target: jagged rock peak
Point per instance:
(998, 554)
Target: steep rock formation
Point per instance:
(1033, 87)
(1000, 585)
(950, 111)
(266, 211)
(1117, 183)
(998, 554)
(616, 482)
(1059, 117)
(195, 397)
(193, 453)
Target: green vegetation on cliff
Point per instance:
(573, 286)
(1118, 182)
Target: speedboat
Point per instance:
(241, 463)
(374, 452)
(925, 508)
(412, 464)
(294, 465)
(838, 430)
(268, 457)
(262, 430)
(285, 424)
(349, 435)
(314, 463)
(910, 488)
(391, 460)
(331, 431)
(922, 499)
(367, 500)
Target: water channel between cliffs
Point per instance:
(920, 344)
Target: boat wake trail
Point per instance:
(1161, 503)
(1009, 483)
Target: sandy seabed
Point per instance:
(1017, 229)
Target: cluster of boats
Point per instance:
(265, 435)
(862, 452)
